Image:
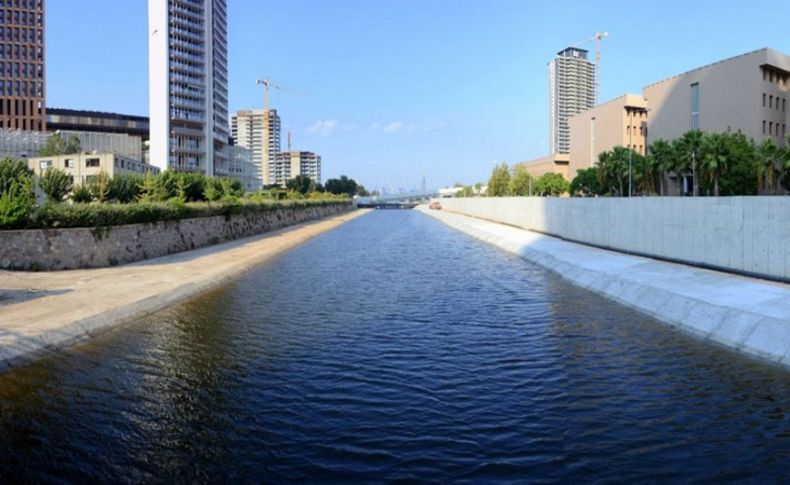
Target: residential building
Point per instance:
(242, 168)
(85, 166)
(571, 91)
(621, 121)
(22, 67)
(260, 132)
(556, 163)
(27, 144)
(96, 121)
(287, 165)
(188, 85)
(747, 93)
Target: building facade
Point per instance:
(22, 68)
(97, 122)
(259, 132)
(188, 85)
(556, 163)
(27, 144)
(242, 168)
(287, 165)
(571, 91)
(746, 93)
(85, 166)
(619, 122)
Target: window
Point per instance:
(69, 162)
(771, 101)
(92, 162)
(763, 127)
(763, 100)
(695, 106)
(45, 164)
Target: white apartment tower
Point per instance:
(188, 85)
(260, 133)
(571, 91)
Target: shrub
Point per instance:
(551, 184)
(12, 172)
(125, 188)
(100, 187)
(81, 195)
(56, 183)
(16, 203)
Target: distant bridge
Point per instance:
(408, 200)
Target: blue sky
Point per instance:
(401, 89)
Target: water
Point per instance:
(396, 349)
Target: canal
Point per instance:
(394, 348)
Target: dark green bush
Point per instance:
(56, 183)
(98, 215)
(16, 193)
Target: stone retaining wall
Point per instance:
(61, 249)
(750, 235)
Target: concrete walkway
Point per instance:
(40, 312)
(745, 314)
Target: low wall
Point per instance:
(743, 234)
(60, 249)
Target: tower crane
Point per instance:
(597, 38)
(267, 156)
(267, 84)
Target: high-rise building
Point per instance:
(22, 101)
(571, 91)
(287, 165)
(188, 85)
(259, 132)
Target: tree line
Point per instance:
(697, 163)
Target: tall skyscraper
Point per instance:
(188, 85)
(22, 87)
(259, 132)
(571, 91)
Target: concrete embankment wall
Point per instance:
(73, 248)
(744, 234)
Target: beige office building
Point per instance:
(746, 93)
(556, 163)
(85, 166)
(287, 165)
(619, 122)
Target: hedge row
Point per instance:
(101, 215)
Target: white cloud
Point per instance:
(393, 127)
(323, 127)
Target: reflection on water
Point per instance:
(395, 348)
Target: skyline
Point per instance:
(390, 88)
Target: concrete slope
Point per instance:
(40, 312)
(749, 315)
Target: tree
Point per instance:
(100, 187)
(715, 158)
(53, 147)
(466, 191)
(150, 190)
(499, 182)
(125, 188)
(688, 149)
(72, 146)
(343, 185)
(361, 191)
(520, 182)
(301, 183)
(613, 170)
(644, 174)
(586, 183)
(16, 193)
(663, 158)
(56, 183)
(769, 165)
(551, 184)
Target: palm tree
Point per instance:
(689, 151)
(663, 158)
(644, 174)
(769, 166)
(716, 157)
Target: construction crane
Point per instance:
(267, 84)
(597, 38)
(267, 157)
